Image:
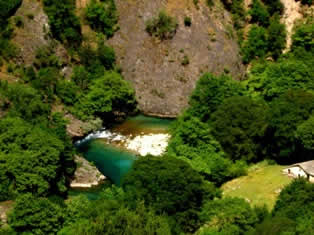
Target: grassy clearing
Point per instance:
(261, 186)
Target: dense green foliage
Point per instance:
(236, 7)
(210, 92)
(193, 142)
(163, 26)
(228, 216)
(256, 44)
(64, 24)
(177, 189)
(259, 13)
(33, 159)
(102, 16)
(270, 80)
(287, 112)
(293, 212)
(36, 215)
(240, 125)
(303, 37)
(107, 95)
(7, 9)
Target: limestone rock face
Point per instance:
(86, 175)
(35, 33)
(163, 85)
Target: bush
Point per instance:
(102, 16)
(259, 13)
(303, 37)
(163, 26)
(274, 6)
(187, 21)
(7, 9)
(256, 45)
(185, 60)
(276, 37)
(64, 24)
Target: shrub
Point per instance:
(256, 45)
(259, 13)
(64, 24)
(7, 9)
(19, 22)
(185, 60)
(276, 37)
(163, 26)
(303, 37)
(274, 6)
(102, 16)
(187, 21)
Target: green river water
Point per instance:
(114, 162)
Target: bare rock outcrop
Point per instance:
(86, 175)
(163, 85)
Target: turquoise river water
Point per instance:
(112, 161)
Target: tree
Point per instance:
(34, 159)
(7, 9)
(210, 92)
(274, 6)
(273, 79)
(228, 216)
(36, 216)
(169, 186)
(303, 37)
(259, 13)
(102, 16)
(64, 24)
(192, 141)
(287, 113)
(256, 45)
(276, 37)
(240, 125)
(108, 96)
(305, 133)
(27, 103)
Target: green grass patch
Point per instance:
(261, 186)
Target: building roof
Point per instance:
(308, 166)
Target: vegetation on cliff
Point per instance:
(228, 126)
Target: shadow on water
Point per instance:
(110, 161)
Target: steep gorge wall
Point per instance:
(163, 85)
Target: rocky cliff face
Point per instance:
(163, 85)
(154, 68)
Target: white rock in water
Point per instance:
(154, 144)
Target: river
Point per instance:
(107, 148)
